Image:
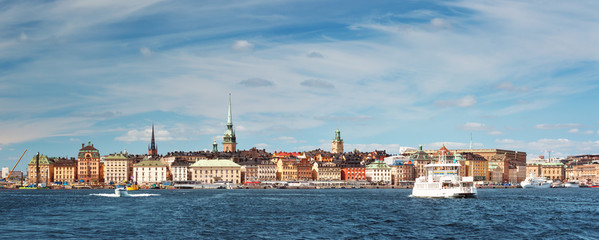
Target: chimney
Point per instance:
(82, 145)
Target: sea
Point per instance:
(298, 214)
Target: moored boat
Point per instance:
(132, 187)
(536, 182)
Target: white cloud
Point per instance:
(467, 101)
(494, 133)
(242, 46)
(261, 145)
(589, 132)
(573, 130)
(23, 37)
(439, 23)
(287, 139)
(146, 52)
(557, 126)
(145, 135)
(474, 126)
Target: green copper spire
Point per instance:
(214, 147)
(338, 136)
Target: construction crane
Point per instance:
(13, 168)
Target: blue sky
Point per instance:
(389, 74)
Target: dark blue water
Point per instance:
(299, 214)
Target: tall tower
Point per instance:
(337, 142)
(152, 150)
(229, 140)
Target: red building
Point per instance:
(304, 170)
(353, 173)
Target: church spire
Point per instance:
(230, 116)
(229, 139)
(152, 151)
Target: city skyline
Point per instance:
(515, 75)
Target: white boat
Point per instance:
(443, 181)
(536, 182)
(571, 184)
(121, 192)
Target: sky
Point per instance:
(517, 75)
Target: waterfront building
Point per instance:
(46, 170)
(229, 139)
(420, 158)
(88, 164)
(476, 166)
(304, 170)
(152, 148)
(267, 170)
(353, 174)
(583, 172)
(215, 170)
(65, 170)
(326, 171)
(337, 143)
(5, 172)
(286, 169)
(402, 172)
(552, 171)
(378, 172)
(118, 168)
(179, 169)
(149, 171)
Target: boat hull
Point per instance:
(430, 190)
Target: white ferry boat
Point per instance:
(536, 182)
(442, 180)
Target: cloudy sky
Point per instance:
(389, 74)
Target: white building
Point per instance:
(5, 172)
(149, 172)
(379, 172)
(180, 169)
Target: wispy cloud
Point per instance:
(466, 101)
(242, 46)
(557, 126)
(256, 82)
(316, 83)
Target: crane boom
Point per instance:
(13, 168)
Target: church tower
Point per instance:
(337, 142)
(229, 140)
(152, 150)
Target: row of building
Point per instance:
(254, 165)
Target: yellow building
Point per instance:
(216, 170)
(552, 171)
(46, 170)
(65, 170)
(286, 169)
(476, 166)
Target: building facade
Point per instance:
(118, 168)
(378, 172)
(65, 170)
(88, 164)
(45, 167)
(327, 171)
(353, 174)
(149, 171)
(216, 170)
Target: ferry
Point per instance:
(443, 181)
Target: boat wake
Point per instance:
(121, 192)
(128, 195)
